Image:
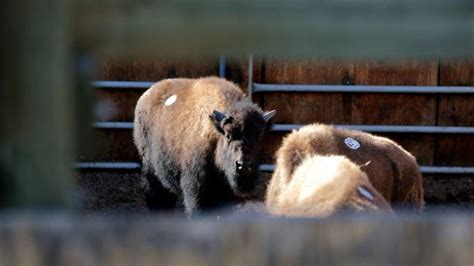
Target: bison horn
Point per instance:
(268, 115)
(218, 115)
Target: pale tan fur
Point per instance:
(324, 185)
(392, 170)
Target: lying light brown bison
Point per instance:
(198, 140)
(321, 186)
(391, 170)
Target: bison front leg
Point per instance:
(191, 188)
(157, 197)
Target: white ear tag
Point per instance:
(170, 100)
(365, 193)
(352, 143)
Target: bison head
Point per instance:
(241, 131)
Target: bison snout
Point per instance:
(239, 165)
(243, 167)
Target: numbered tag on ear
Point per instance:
(352, 143)
(365, 193)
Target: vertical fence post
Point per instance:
(36, 107)
(250, 69)
(222, 66)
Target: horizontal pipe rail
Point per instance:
(446, 170)
(258, 87)
(423, 169)
(113, 125)
(262, 167)
(388, 128)
(107, 84)
(107, 166)
(368, 128)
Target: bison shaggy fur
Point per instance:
(324, 185)
(393, 171)
(198, 140)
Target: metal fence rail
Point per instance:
(262, 167)
(107, 166)
(388, 128)
(258, 87)
(113, 125)
(108, 84)
(423, 169)
(368, 128)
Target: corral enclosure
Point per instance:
(57, 55)
(114, 156)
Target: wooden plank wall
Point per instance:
(455, 110)
(346, 108)
(373, 109)
(303, 108)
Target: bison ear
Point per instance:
(218, 115)
(268, 115)
(216, 119)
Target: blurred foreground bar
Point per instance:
(36, 104)
(235, 240)
(340, 28)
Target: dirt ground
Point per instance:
(111, 192)
(455, 191)
(119, 192)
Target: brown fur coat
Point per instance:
(392, 170)
(324, 185)
(199, 141)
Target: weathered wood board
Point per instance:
(234, 239)
(457, 72)
(336, 108)
(456, 110)
(454, 150)
(155, 69)
(308, 71)
(351, 108)
(305, 108)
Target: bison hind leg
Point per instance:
(157, 197)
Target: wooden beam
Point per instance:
(446, 239)
(36, 103)
(300, 28)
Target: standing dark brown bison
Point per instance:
(199, 140)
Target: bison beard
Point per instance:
(198, 140)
